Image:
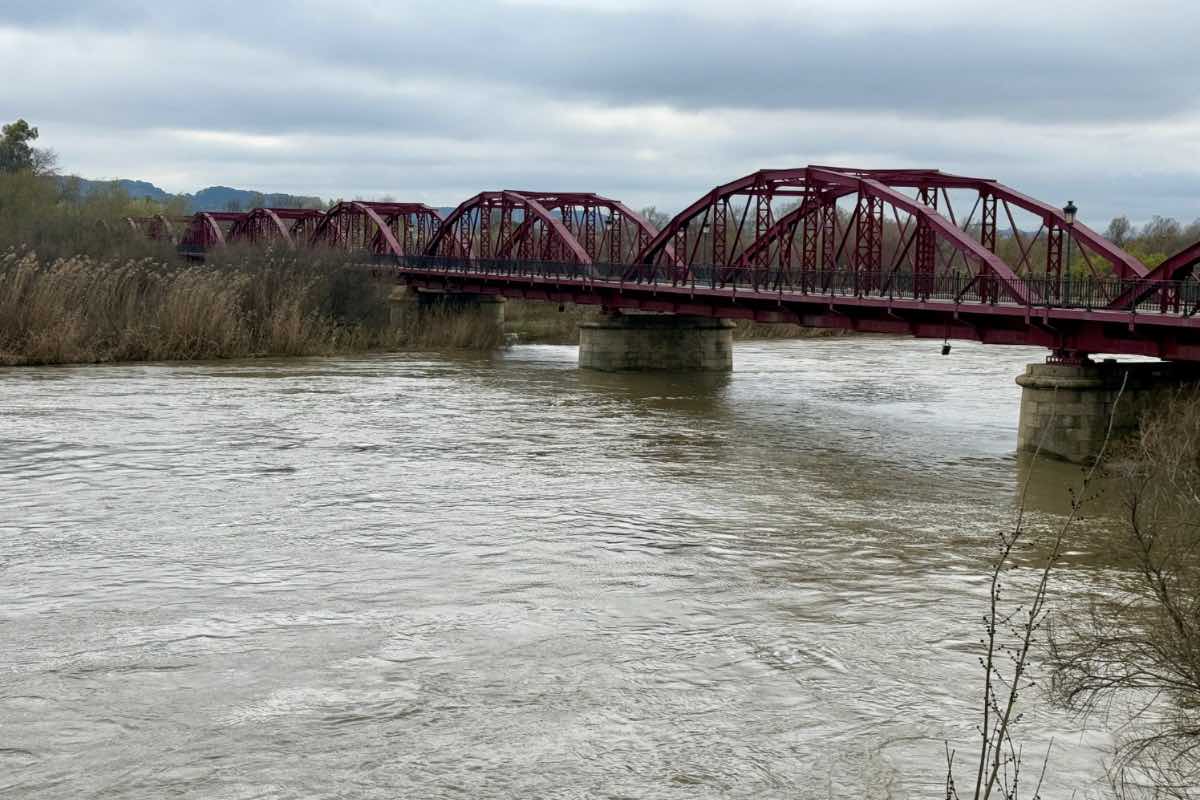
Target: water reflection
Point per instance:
(1051, 486)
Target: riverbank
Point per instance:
(86, 309)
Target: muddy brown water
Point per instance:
(437, 576)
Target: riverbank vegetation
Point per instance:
(85, 309)
(1126, 657)
(1132, 653)
(88, 310)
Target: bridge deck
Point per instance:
(1068, 316)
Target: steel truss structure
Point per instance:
(901, 250)
(396, 229)
(794, 227)
(207, 230)
(569, 227)
(287, 227)
(159, 228)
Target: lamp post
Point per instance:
(698, 248)
(1069, 212)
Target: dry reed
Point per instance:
(86, 310)
(83, 309)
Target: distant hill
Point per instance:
(213, 198)
(220, 198)
(135, 189)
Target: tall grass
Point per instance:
(440, 329)
(84, 310)
(546, 323)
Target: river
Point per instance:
(438, 576)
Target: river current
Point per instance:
(437, 576)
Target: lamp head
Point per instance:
(1069, 211)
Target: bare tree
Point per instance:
(1119, 231)
(658, 219)
(1012, 630)
(1138, 654)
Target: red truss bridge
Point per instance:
(916, 252)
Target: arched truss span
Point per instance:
(570, 227)
(1167, 278)
(1178, 267)
(286, 226)
(208, 229)
(158, 227)
(783, 228)
(396, 229)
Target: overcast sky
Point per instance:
(649, 102)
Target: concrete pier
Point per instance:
(1066, 407)
(660, 342)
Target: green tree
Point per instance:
(18, 155)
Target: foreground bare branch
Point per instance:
(1138, 653)
(1010, 636)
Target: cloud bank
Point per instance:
(651, 102)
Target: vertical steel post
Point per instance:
(719, 223)
(589, 231)
(809, 236)
(924, 260)
(485, 228)
(762, 223)
(987, 237)
(1054, 248)
(614, 238)
(868, 245)
(828, 241)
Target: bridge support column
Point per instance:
(1066, 407)
(660, 342)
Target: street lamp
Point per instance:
(1069, 212)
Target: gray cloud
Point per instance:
(1106, 64)
(653, 102)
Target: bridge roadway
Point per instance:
(1068, 316)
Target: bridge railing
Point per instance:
(1084, 293)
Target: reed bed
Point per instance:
(546, 323)
(88, 310)
(440, 329)
(85, 309)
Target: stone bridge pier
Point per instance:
(1066, 408)
(660, 342)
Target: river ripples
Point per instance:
(440, 577)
